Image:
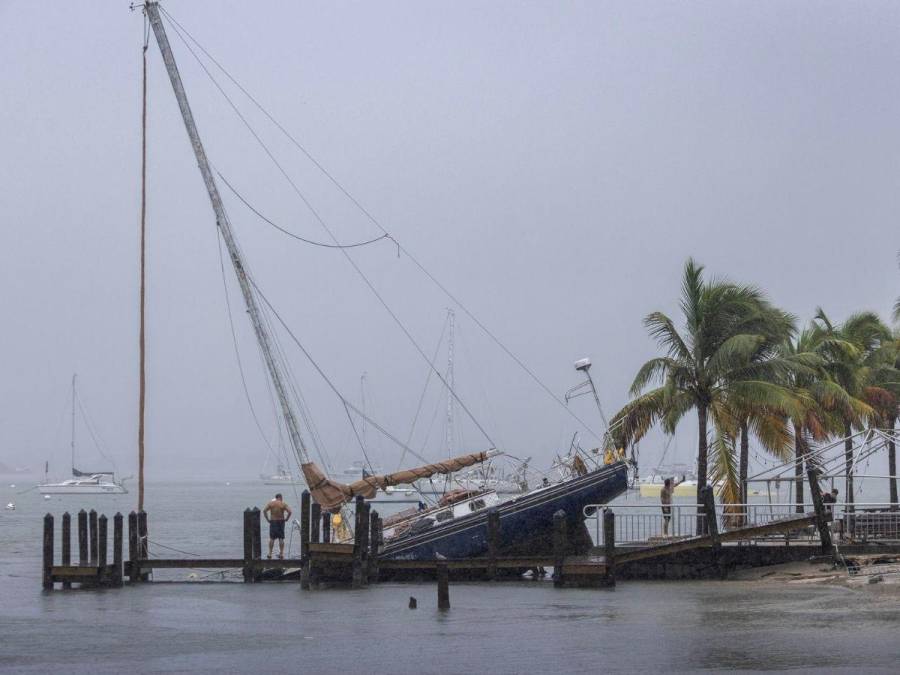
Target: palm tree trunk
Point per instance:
(799, 451)
(892, 466)
(848, 465)
(745, 460)
(702, 452)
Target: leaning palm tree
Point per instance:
(851, 347)
(707, 367)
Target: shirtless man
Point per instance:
(275, 513)
(665, 499)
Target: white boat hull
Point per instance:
(98, 489)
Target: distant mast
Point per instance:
(224, 225)
(72, 441)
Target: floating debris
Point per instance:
(11, 506)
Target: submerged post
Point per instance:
(609, 544)
(116, 577)
(560, 546)
(248, 546)
(82, 538)
(133, 570)
(67, 544)
(493, 540)
(47, 576)
(305, 509)
(102, 541)
(443, 586)
(823, 517)
(315, 522)
(94, 543)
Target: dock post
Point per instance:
(248, 546)
(493, 540)
(143, 541)
(133, 570)
(376, 535)
(822, 517)
(67, 544)
(92, 536)
(560, 546)
(364, 544)
(326, 528)
(358, 526)
(443, 586)
(102, 541)
(117, 551)
(609, 545)
(305, 509)
(315, 522)
(47, 575)
(82, 538)
(256, 530)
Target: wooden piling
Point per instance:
(257, 533)
(326, 528)
(443, 586)
(360, 526)
(493, 540)
(609, 544)
(305, 509)
(133, 555)
(82, 539)
(248, 546)
(560, 546)
(67, 544)
(315, 522)
(116, 577)
(376, 538)
(143, 541)
(102, 543)
(822, 517)
(47, 580)
(93, 536)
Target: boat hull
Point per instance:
(526, 522)
(111, 489)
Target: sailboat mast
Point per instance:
(142, 381)
(72, 441)
(451, 317)
(224, 226)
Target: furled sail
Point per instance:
(87, 474)
(331, 494)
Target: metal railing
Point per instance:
(646, 524)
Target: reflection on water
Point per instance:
(524, 627)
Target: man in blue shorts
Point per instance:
(276, 513)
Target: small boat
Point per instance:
(82, 482)
(281, 477)
(11, 506)
(652, 484)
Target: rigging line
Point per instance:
(291, 234)
(327, 380)
(375, 222)
(95, 435)
(362, 446)
(234, 342)
(324, 226)
(412, 427)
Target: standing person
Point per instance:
(665, 499)
(828, 499)
(275, 513)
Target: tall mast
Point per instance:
(142, 381)
(451, 316)
(72, 442)
(362, 396)
(224, 226)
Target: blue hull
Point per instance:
(526, 522)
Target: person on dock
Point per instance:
(665, 499)
(276, 513)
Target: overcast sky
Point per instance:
(554, 164)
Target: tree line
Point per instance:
(748, 369)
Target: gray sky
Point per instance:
(553, 163)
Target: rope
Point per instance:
(296, 236)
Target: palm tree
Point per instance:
(882, 393)
(707, 367)
(849, 348)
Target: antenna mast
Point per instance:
(72, 442)
(224, 225)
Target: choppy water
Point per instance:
(519, 627)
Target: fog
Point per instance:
(553, 164)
